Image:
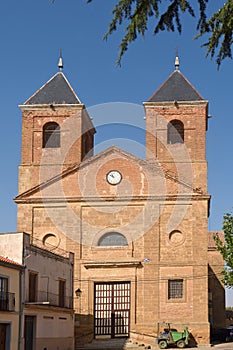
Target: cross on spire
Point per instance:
(60, 62)
(177, 63)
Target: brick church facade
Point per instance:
(138, 227)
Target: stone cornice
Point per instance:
(102, 200)
(54, 106)
(112, 264)
(175, 104)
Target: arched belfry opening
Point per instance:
(51, 135)
(175, 132)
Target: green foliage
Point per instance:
(135, 14)
(226, 249)
(220, 25)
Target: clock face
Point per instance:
(114, 177)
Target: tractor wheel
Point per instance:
(163, 344)
(181, 344)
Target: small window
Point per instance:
(175, 289)
(175, 132)
(32, 287)
(62, 288)
(112, 239)
(3, 284)
(4, 295)
(51, 135)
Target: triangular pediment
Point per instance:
(55, 91)
(91, 161)
(113, 150)
(81, 180)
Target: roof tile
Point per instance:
(9, 261)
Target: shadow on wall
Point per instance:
(217, 312)
(84, 332)
(83, 329)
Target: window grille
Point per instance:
(175, 289)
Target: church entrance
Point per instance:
(112, 309)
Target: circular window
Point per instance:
(50, 239)
(176, 237)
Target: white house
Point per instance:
(47, 320)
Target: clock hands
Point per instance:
(114, 177)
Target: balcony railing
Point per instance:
(7, 301)
(47, 298)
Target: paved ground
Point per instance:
(224, 346)
(122, 345)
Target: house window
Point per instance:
(51, 135)
(4, 295)
(112, 239)
(175, 289)
(175, 132)
(3, 284)
(33, 280)
(61, 296)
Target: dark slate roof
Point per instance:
(176, 88)
(56, 91)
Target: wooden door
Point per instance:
(112, 309)
(29, 332)
(3, 336)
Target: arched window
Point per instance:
(112, 239)
(175, 132)
(51, 135)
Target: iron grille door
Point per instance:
(112, 309)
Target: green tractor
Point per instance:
(171, 337)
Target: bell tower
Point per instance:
(57, 132)
(176, 124)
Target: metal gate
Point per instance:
(112, 309)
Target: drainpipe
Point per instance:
(20, 308)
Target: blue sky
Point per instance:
(32, 32)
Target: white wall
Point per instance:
(50, 269)
(11, 246)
